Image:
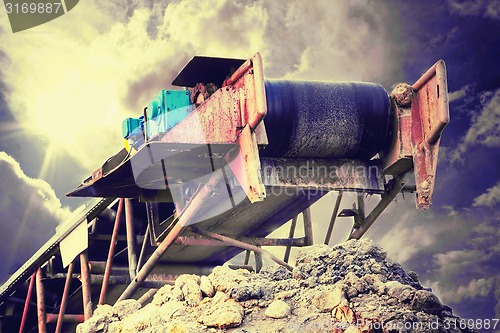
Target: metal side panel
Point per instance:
(51, 247)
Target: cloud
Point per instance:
(454, 294)
(485, 126)
(466, 8)
(453, 250)
(490, 198)
(74, 79)
(29, 213)
(493, 10)
(459, 94)
(486, 8)
(322, 40)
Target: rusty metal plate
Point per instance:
(430, 115)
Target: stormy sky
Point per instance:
(66, 85)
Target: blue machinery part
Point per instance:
(166, 110)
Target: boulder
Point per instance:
(278, 309)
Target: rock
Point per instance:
(343, 313)
(148, 316)
(187, 278)
(278, 309)
(275, 273)
(206, 287)
(180, 327)
(115, 327)
(220, 297)
(225, 279)
(192, 292)
(177, 294)
(223, 315)
(403, 94)
(104, 310)
(126, 307)
(426, 301)
(309, 254)
(286, 294)
(349, 283)
(403, 293)
(375, 283)
(172, 310)
(243, 292)
(326, 299)
(413, 276)
(354, 281)
(96, 324)
(163, 295)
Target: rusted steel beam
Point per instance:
(142, 254)
(64, 300)
(333, 218)
(153, 229)
(258, 261)
(129, 222)
(379, 208)
(70, 318)
(111, 253)
(40, 303)
(147, 295)
(240, 244)
(86, 291)
(247, 257)
(97, 279)
(185, 217)
(153, 281)
(308, 230)
(359, 218)
(27, 303)
(99, 267)
(293, 225)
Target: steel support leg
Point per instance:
(359, 218)
(241, 245)
(129, 221)
(333, 218)
(258, 261)
(64, 300)
(111, 253)
(27, 303)
(145, 242)
(308, 230)
(290, 235)
(185, 217)
(87, 300)
(247, 257)
(72, 318)
(40, 303)
(147, 295)
(379, 208)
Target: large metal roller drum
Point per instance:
(325, 119)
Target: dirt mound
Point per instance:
(349, 288)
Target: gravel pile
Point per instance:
(349, 288)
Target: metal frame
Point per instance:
(417, 147)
